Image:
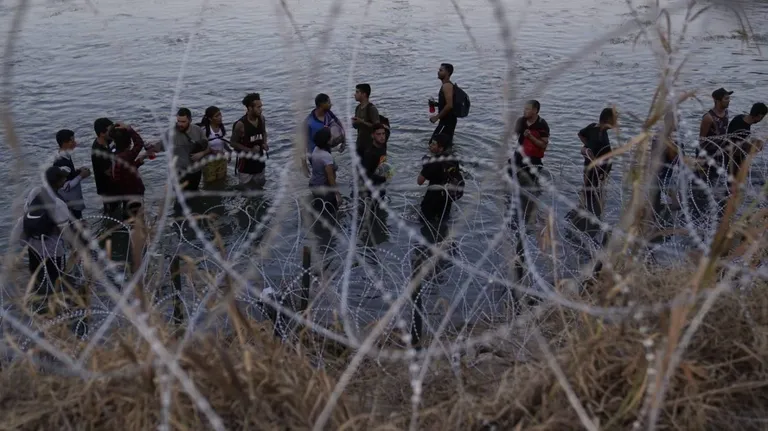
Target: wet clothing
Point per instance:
(372, 158)
(670, 157)
(253, 137)
(193, 140)
(597, 141)
(125, 176)
(215, 170)
(716, 140)
(436, 204)
(72, 191)
(215, 137)
(314, 125)
(46, 246)
(739, 133)
(102, 173)
(369, 114)
(447, 124)
(319, 160)
(539, 129)
(323, 199)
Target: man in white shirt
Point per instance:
(72, 191)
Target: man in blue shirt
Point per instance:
(320, 118)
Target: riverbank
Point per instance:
(610, 366)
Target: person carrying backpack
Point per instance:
(40, 229)
(452, 104)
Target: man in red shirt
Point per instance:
(533, 136)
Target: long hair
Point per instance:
(205, 123)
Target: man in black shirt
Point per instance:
(740, 140)
(436, 204)
(445, 118)
(375, 155)
(596, 144)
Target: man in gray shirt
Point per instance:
(190, 145)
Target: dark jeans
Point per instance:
(48, 274)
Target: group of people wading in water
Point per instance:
(203, 151)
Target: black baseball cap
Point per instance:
(720, 93)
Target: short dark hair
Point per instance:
(63, 136)
(53, 175)
(323, 139)
(441, 140)
(377, 126)
(250, 98)
(321, 98)
(364, 88)
(184, 112)
(448, 67)
(758, 109)
(121, 138)
(102, 125)
(534, 104)
(607, 116)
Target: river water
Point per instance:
(131, 61)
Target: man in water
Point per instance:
(712, 148)
(714, 127)
(595, 144)
(321, 117)
(189, 146)
(436, 204)
(445, 118)
(666, 149)
(72, 191)
(375, 156)
(533, 136)
(366, 115)
(101, 150)
(46, 216)
(740, 134)
(249, 135)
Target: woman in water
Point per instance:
(214, 130)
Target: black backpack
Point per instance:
(461, 102)
(455, 181)
(37, 221)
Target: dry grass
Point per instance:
(256, 382)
